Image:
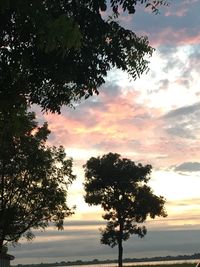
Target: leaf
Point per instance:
(62, 33)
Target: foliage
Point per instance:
(120, 187)
(33, 177)
(55, 52)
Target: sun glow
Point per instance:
(175, 186)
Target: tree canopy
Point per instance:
(55, 52)
(34, 177)
(120, 187)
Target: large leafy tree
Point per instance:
(34, 177)
(120, 187)
(54, 52)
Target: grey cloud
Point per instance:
(186, 67)
(194, 59)
(167, 50)
(82, 223)
(188, 167)
(195, 53)
(72, 245)
(188, 203)
(163, 84)
(89, 247)
(183, 122)
(111, 88)
(173, 241)
(181, 132)
(183, 111)
(172, 62)
(192, 65)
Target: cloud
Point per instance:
(119, 121)
(192, 203)
(188, 167)
(88, 247)
(193, 65)
(180, 131)
(116, 121)
(174, 25)
(113, 120)
(184, 121)
(184, 111)
(163, 84)
(181, 66)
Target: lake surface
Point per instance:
(136, 263)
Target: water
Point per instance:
(136, 263)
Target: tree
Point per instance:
(55, 52)
(120, 187)
(34, 177)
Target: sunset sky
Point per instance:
(153, 120)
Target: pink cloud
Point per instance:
(170, 36)
(115, 121)
(120, 125)
(179, 13)
(119, 119)
(181, 10)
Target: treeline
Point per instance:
(166, 258)
(96, 261)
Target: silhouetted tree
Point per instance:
(120, 187)
(55, 52)
(33, 177)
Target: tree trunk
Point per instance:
(1, 246)
(120, 239)
(120, 253)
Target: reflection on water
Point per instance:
(137, 263)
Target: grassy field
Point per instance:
(125, 264)
(166, 265)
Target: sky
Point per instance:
(153, 120)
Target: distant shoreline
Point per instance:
(195, 256)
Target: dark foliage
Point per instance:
(33, 177)
(120, 187)
(55, 52)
